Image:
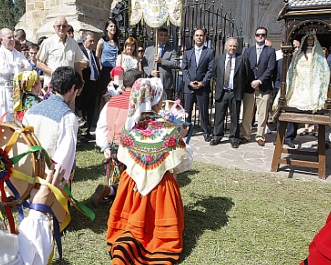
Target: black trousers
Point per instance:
(88, 101)
(203, 101)
(221, 107)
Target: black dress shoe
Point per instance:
(207, 138)
(234, 144)
(243, 140)
(290, 144)
(215, 142)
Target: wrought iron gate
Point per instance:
(196, 14)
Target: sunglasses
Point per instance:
(260, 35)
(63, 26)
(140, 50)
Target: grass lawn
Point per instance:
(231, 216)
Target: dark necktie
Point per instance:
(94, 67)
(227, 72)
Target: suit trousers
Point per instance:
(88, 101)
(203, 101)
(221, 106)
(291, 131)
(262, 106)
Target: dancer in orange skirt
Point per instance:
(146, 220)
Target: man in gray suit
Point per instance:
(165, 59)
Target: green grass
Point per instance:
(231, 216)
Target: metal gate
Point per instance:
(217, 24)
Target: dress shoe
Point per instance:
(290, 144)
(215, 142)
(207, 138)
(260, 142)
(243, 140)
(90, 136)
(234, 144)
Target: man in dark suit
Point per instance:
(231, 70)
(165, 59)
(197, 68)
(262, 60)
(87, 99)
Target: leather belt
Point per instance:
(228, 90)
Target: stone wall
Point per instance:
(81, 14)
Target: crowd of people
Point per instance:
(58, 83)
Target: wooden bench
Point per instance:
(321, 120)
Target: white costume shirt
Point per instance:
(58, 138)
(11, 63)
(101, 131)
(54, 53)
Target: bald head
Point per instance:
(7, 38)
(61, 27)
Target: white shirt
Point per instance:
(33, 244)
(65, 150)
(10, 64)
(198, 53)
(101, 131)
(233, 65)
(54, 53)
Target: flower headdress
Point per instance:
(145, 93)
(23, 81)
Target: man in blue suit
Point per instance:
(197, 68)
(262, 60)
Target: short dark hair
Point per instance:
(204, 32)
(266, 31)
(20, 33)
(63, 78)
(162, 29)
(41, 39)
(130, 76)
(70, 29)
(34, 47)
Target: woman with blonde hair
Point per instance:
(128, 59)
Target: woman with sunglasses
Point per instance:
(106, 53)
(128, 59)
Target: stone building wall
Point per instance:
(92, 14)
(81, 14)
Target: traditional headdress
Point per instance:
(145, 93)
(23, 81)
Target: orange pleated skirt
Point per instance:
(146, 229)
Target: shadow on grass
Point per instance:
(207, 213)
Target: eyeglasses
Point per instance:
(260, 35)
(61, 26)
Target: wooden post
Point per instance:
(286, 61)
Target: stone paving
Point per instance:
(251, 156)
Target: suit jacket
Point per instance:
(168, 63)
(240, 76)
(87, 71)
(202, 73)
(261, 70)
(278, 73)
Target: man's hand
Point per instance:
(255, 84)
(44, 195)
(155, 73)
(107, 153)
(157, 58)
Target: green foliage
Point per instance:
(10, 13)
(231, 216)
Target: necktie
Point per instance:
(197, 56)
(161, 50)
(227, 72)
(94, 67)
(259, 50)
